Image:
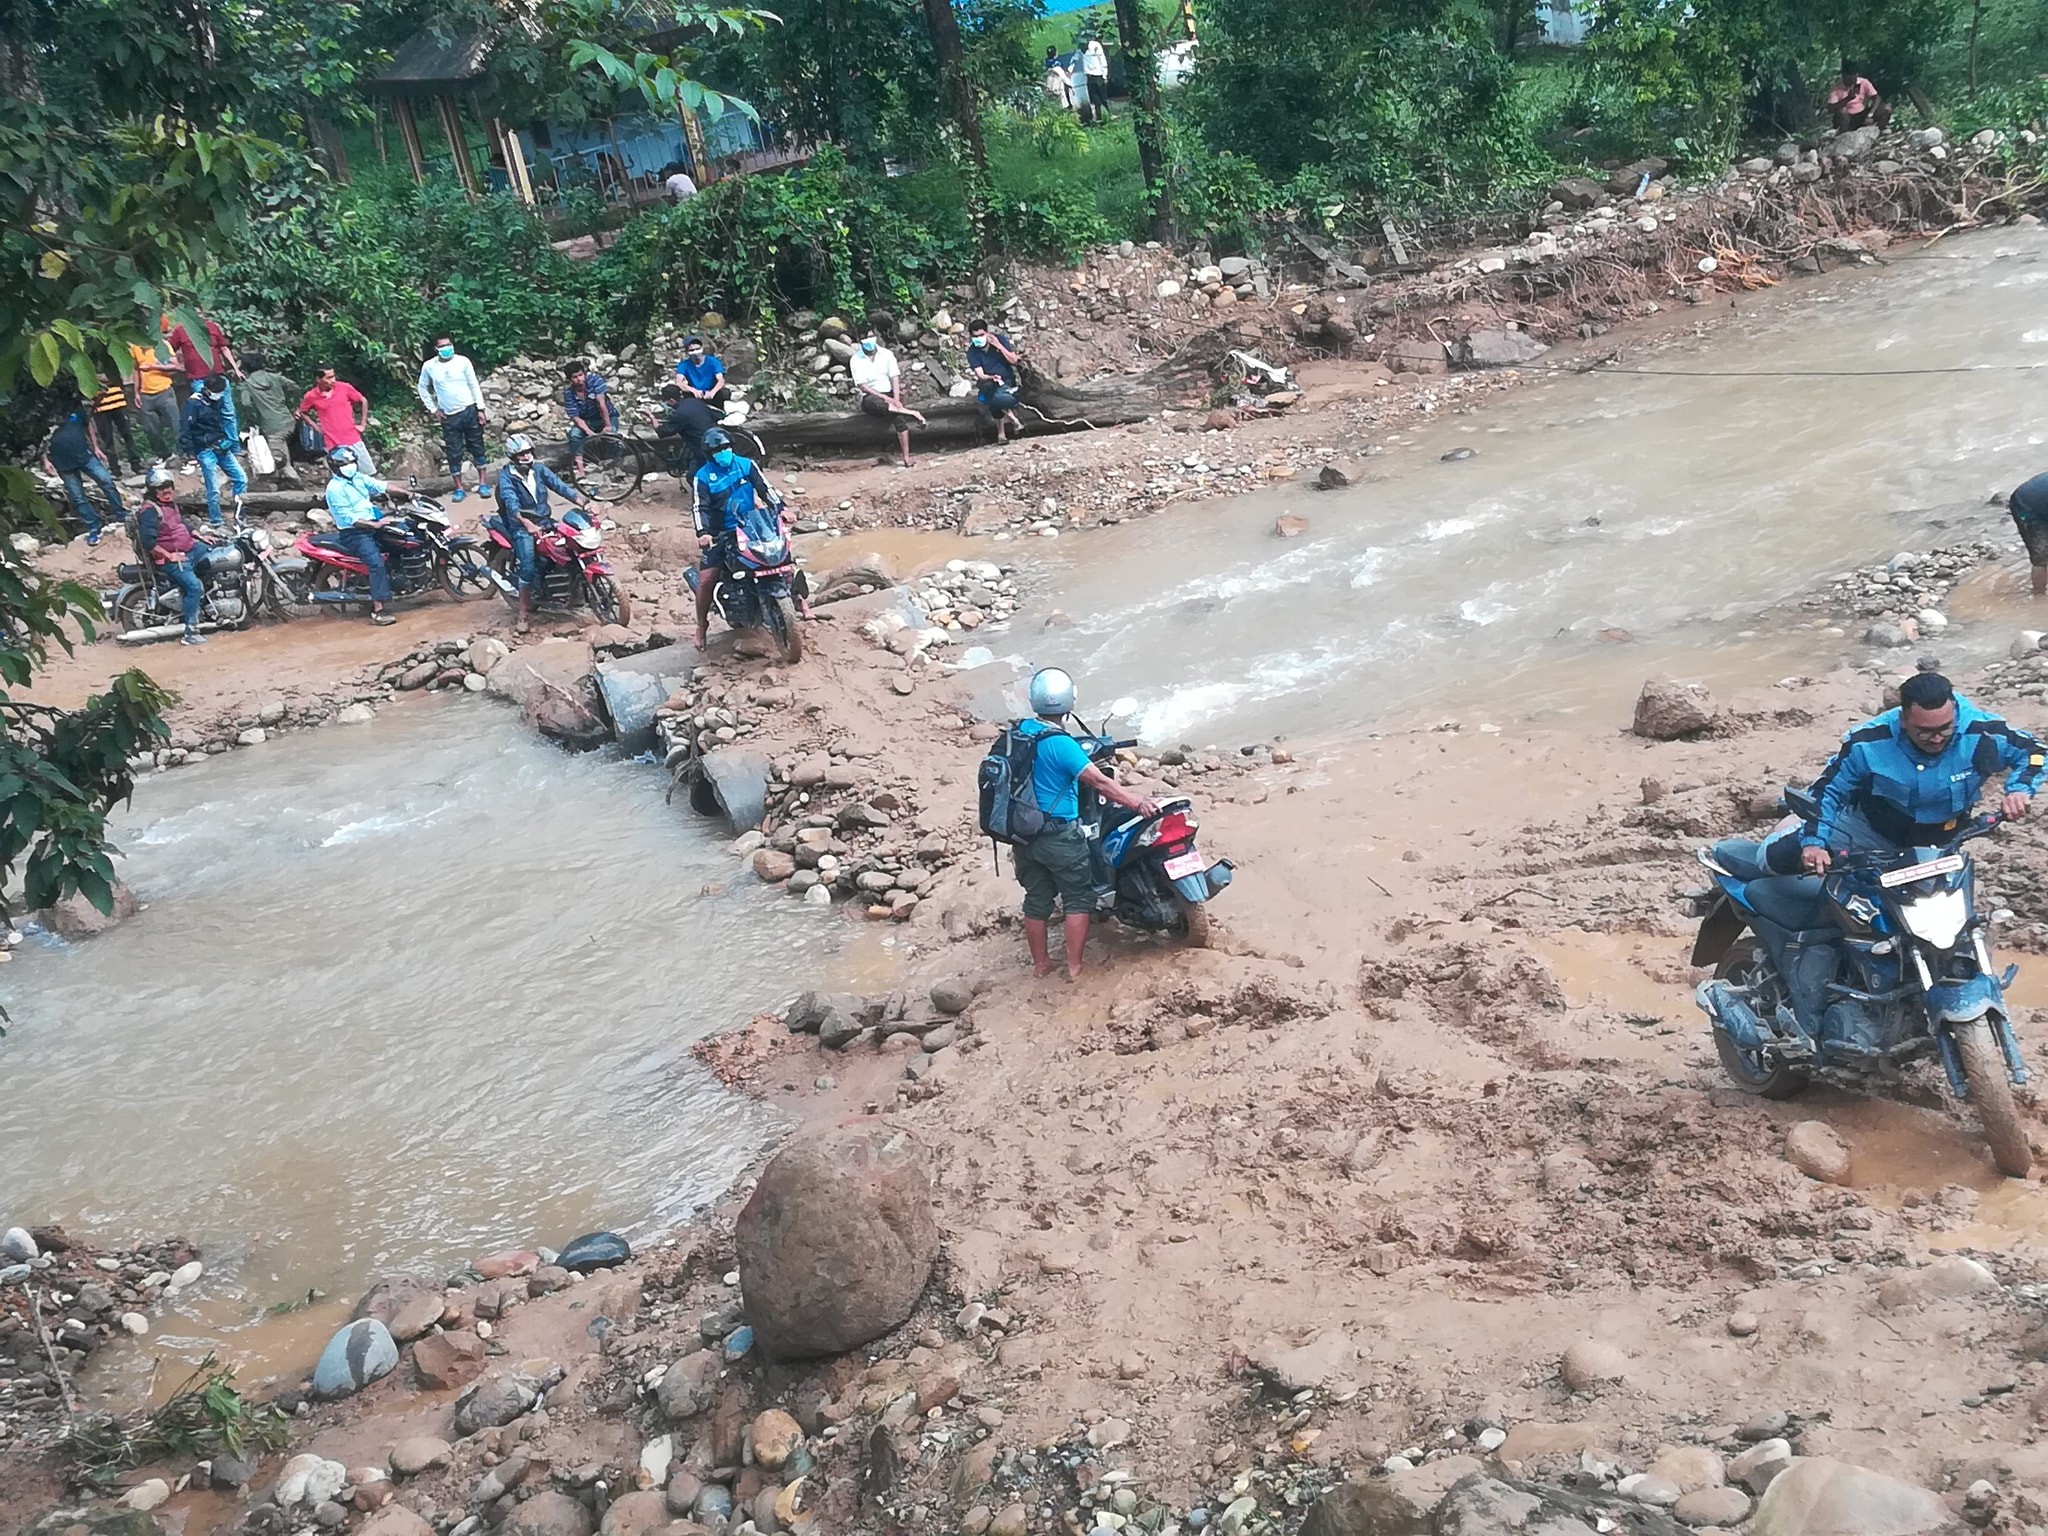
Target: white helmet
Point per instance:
(1052, 693)
(518, 443)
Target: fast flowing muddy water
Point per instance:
(1663, 511)
(368, 1020)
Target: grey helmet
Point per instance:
(160, 476)
(517, 444)
(342, 457)
(1052, 693)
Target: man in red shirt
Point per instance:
(219, 357)
(340, 412)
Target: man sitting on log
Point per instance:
(880, 383)
(992, 359)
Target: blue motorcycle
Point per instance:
(1881, 962)
(1148, 872)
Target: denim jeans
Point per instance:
(180, 573)
(462, 436)
(362, 543)
(74, 488)
(211, 462)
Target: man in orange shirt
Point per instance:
(155, 400)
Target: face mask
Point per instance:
(444, 353)
(869, 346)
(981, 340)
(346, 471)
(722, 458)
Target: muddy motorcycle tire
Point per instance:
(132, 610)
(782, 625)
(609, 604)
(1991, 1094)
(291, 592)
(1194, 923)
(1750, 1071)
(464, 575)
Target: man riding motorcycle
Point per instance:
(351, 502)
(523, 513)
(166, 540)
(726, 489)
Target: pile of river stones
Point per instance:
(82, 1296)
(1902, 601)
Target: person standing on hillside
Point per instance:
(993, 361)
(266, 401)
(156, 401)
(448, 388)
(70, 457)
(218, 356)
(110, 426)
(2029, 508)
(204, 433)
(339, 410)
(1095, 69)
(1059, 80)
(880, 383)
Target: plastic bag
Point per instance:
(261, 459)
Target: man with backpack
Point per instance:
(1036, 794)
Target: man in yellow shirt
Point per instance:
(155, 401)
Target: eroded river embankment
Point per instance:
(410, 991)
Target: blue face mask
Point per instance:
(444, 353)
(723, 458)
(869, 346)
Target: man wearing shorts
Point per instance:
(2029, 508)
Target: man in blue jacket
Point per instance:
(524, 514)
(1910, 777)
(205, 431)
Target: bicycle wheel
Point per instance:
(613, 467)
(748, 443)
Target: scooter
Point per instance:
(1148, 872)
(421, 553)
(1879, 963)
(236, 579)
(761, 586)
(573, 570)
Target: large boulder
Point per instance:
(75, 918)
(1578, 192)
(408, 1305)
(632, 688)
(548, 1513)
(1668, 710)
(838, 1239)
(498, 1399)
(1819, 1496)
(1495, 348)
(1855, 144)
(738, 781)
(355, 1357)
(1498, 1506)
(532, 671)
(594, 1251)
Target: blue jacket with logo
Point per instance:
(1909, 797)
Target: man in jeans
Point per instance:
(448, 387)
(204, 433)
(167, 540)
(350, 503)
(1057, 865)
(590, 411)
(71, 459)
(2029, 508)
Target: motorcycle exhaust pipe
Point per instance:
(1732, 1016)
(162, 632)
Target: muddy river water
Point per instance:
(367, 1021)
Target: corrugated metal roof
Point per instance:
(436, 58)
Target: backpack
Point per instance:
(1009, 804)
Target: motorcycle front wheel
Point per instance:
(609, 604)
(1991, 1092)
(1758, 1072)
(291, 592)
(131, 610)
(788, 638)
(464, 574)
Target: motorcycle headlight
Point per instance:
(1936, 918)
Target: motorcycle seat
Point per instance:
(1742, 857)
(1790, 901)
(329, 541)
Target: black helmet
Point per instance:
(716, 439)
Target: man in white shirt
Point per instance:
(448, 387)
(880, 383)
(1095, 66)
(679, 186)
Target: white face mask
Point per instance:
(347, 471)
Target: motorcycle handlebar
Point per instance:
(1978, 826)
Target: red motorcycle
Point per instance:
(421, 553)
(573, 571)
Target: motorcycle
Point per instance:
(1148, 872)
(761, 585)
(573, 570)
(421, 552)
(237, 578)
(1881, 962)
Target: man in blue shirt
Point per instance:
(524, 515)
(71, 459)
(356, 515)
(726, 490)
(1058, 863)
(590, 410)
(2029, 508)
(1911, 776)
(993, 362)
(702, 374)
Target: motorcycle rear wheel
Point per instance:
(1194, 922)
(1991, 1093)
(291, 593)
(464, 575)
(1754, 1072)
(782, 621)
(132, 612)
(609, 604)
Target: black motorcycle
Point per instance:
(760, 585)
(1148, 872)
(422, 553)
(237, 578)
